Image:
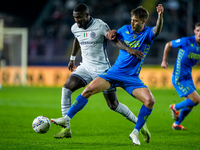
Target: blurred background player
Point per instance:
(90, 37)
(188, 55)
(125, 72)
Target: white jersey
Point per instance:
(93, 44)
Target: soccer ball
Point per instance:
(41, 124)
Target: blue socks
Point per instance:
(142, 117)
(185, 103)
(78, 104)
(183, 113)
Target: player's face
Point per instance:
(80, 18)
(137, 24)
(197, 34)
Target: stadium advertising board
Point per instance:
(57, 76)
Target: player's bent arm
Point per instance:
(121, 45)
(167, 48)
(75, 49)
(159, 24)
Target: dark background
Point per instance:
(49, 25)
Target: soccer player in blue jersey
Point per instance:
(125, 72)
(188, 55)
(90, 38)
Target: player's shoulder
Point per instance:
(75, 28)
(125, 28)
(188, 40)
(184, 40)
(191, 38)
(99, 21)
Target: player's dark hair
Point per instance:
(197, 24)
(140, 12)
(81, 8)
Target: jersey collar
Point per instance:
(195, 42)
(89, 24)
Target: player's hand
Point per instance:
(111, 35)
(135, 52)
(164, 64)
(160, 9)
(71, 65)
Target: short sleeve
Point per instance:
(120, 33)
(104, 28)
(179, 42)
(150, 35)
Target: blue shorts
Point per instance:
(127, 82)
(184, 87)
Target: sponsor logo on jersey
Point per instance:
(92, 34)
(193, 56)
(88, 43)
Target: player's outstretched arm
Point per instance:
(75, 49)
(112, 36)
(167, 48)
(157, 29)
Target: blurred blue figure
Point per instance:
(188, 55)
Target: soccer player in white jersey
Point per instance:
(90, 37)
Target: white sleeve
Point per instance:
(104, 28)
(72, 29)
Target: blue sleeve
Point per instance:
(179, 42)
(120, 33)
(151, 36)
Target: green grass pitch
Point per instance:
(95, 127)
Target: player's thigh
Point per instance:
(74, 82)
(96, 86)
(79, 78)
(194, 96)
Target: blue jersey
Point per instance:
(188, 55)
(126, 63)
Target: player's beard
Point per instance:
(136, 29)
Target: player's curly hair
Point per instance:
(140, 12)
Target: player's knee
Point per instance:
(69, 86)
(150, 101)
(197, 100)
(73, 83)
(112, 106)
(88, 92)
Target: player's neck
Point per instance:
(87, 24)
(140, 30)
(198, 41)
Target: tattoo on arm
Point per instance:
(158, 27)
(120, 44)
